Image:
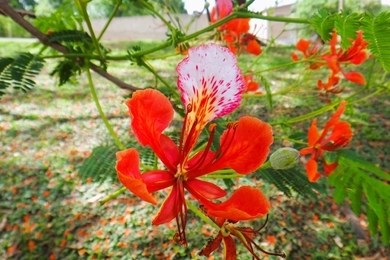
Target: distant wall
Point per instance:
(150, 28)
(144, 27)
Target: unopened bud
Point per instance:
(284, 158)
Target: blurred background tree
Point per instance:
(306, 8)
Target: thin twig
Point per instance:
(17, 18)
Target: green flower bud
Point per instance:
(284, 158)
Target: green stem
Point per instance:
(149, 68)
(278, 67)
(151, 8)
(101, 113)
(109, 20)
(83, 7)
(201, 215)
(112, 196)
(221, 22)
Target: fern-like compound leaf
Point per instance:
(376, 32)
(346, 26)
(18, 72)
(323, 23)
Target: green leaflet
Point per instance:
(376, 32)
(19, 71)
(323, 23)
(69, 36)
(346, 26)
(267, 87)
(288, 180)
(355, 177)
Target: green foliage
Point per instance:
(100, 165)
(355, 177)
(19, 71)
(376, 32)
(65, 71)
(69, 36)
(267, 86)
(8, 28)
(346, 26)
(64, 17)
(288, 180)
(323, 23)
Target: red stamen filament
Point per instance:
(249, 242)
(189, 109)
(181, 218)
(206, 150)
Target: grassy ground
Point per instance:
(47, 211)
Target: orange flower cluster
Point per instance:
(334, 58)
(235, 32)
(336, 134)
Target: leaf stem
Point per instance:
(98, 106)
(112, 196)
(83, 7)
(201, 215)
(109, 20)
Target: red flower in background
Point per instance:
(334, 58)
(211, 85)
(304, 47)
(235, 32)
(356, 54)
(245, 204)
(336, 134)
(250, 84)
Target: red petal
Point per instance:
(252, 86)
(151, 113)
(225, 7)
(129, 175)
(311, 170)
(294, 56)
(229, 248)
(211, 245)
(170, 207)
(355, 77)
(334, 119)
(312, 134)
(303, 45)
(249, 148)
(253, 47)
(329, 168)
(245, 203)
(204, 189)
(158, 180)
(341, 135)
(359, 58)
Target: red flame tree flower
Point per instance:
(336, 134)
(235, 32)
(246, 203)
(211, 86)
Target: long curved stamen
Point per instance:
(262, 226)
(188, 142)
(189, 109)
(249, 243)
(206, 150)
(231, 127)
(181, 218)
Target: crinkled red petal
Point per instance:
(129, 175)
(203, 189)
(151, 113)
(311, 170)
(244, 204)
